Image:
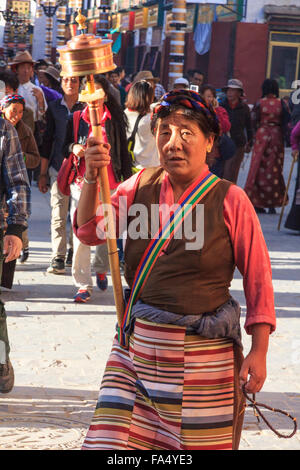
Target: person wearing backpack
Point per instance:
(114, 132)
(144, 151)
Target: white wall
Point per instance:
(39, 36)
(2, 22)
(255, 9)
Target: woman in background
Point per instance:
(12, 107)
(265, 185)
(217, 157)
(138, 113)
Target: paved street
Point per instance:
(59, 348)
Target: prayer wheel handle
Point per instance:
(84, 56)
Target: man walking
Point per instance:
(241, 127)
(15, 194)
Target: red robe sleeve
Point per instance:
(251, 257)
(92, 232)
(224, 121)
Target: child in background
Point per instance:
(12, 107)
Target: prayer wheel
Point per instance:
(86, 54)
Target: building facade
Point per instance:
(245, 39)
(16, 31)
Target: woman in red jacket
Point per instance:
(218, 156)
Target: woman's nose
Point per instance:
(175, 140)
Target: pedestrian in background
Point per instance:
(219, 154)
(14, 194)
(11, 82)
(138, 112)
(241, 127)
(196, 77)
(50, 83)
(34, 97)
(181, 83)
(293, 218)
(265, 185)
(51, 160)
(114, 132)
(147, 75)
(12, 107)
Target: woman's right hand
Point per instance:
(96, 157)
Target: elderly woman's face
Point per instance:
(182, 146)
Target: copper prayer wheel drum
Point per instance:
(86, 54)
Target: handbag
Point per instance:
(131, 143)
(68, 169)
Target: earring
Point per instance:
(208, 149)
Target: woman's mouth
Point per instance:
(175, 158)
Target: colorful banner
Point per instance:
(223, 14)
(216, 2)
(210, 13)
(190, 18)
(141, 18)
(127, 21)
(169, 19)
(116, 21)
(152, 16)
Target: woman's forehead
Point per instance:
(177, 118)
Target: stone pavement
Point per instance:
(59, 348)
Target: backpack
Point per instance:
(131, 143)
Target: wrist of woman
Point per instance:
(88, 179)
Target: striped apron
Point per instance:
(171, 390)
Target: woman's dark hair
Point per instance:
(40, 63)
(10, 79)
(140, 97)
(54, 84)
(204, 116)
(206, 87)
(113, 106)
(270, 87)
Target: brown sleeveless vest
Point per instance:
(182, 281)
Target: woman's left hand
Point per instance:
(254, 365)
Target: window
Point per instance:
(284, 59)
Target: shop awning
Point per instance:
(288, 12)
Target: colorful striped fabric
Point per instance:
(170, 391)
(186, 203)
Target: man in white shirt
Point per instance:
(34, 97)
